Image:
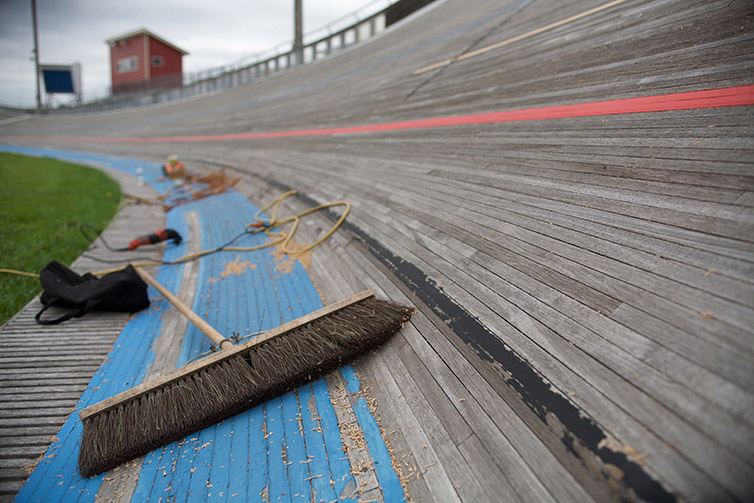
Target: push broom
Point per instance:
(234, 379)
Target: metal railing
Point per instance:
(344, 32)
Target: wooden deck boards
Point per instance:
(430, 385)
(44, 369)
(607, 262)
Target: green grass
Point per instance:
(42, 204)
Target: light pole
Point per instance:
(298, 32)
(36, 53)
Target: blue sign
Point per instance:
(61, 78)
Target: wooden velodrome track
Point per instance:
(583, 268)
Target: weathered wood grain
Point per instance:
(44, 369)
(613, 254)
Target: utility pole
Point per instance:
(36, 53)
(298, 32)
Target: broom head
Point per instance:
(230, 381)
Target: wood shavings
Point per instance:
(198, 187)
(235, 268)
(284, 261)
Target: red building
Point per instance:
(141, 60)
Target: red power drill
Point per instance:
(156, 237)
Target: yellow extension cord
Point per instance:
(265, 225)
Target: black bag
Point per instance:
(122, 291)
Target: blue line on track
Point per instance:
(289, 449)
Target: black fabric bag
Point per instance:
(122, 291)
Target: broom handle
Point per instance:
(199, 323)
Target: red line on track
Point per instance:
(694, 100)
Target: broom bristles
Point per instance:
(226, 387)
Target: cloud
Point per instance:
(214, 33)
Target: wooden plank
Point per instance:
(578, 393)
(745, 199)
(353, 440)
(122, 484)
(428, 464)
(418, 392)
(632, 273)
(671, 186)
(335, 281)
(323, 266)
(174, 324)
(463, 390)
(548, 282)
(44, 369)
(518, 478)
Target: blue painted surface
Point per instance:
(388, 479)
(282, 466)
(288, 449)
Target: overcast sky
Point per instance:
(215, 33)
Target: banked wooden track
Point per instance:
(584, 283)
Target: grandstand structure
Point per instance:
(566, 195)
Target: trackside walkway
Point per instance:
(290, 449)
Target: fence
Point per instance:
(339, 34)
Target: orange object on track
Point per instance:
(156, 237)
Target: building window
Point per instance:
(126, 65)
(158, 61)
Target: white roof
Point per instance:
(144, 31)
